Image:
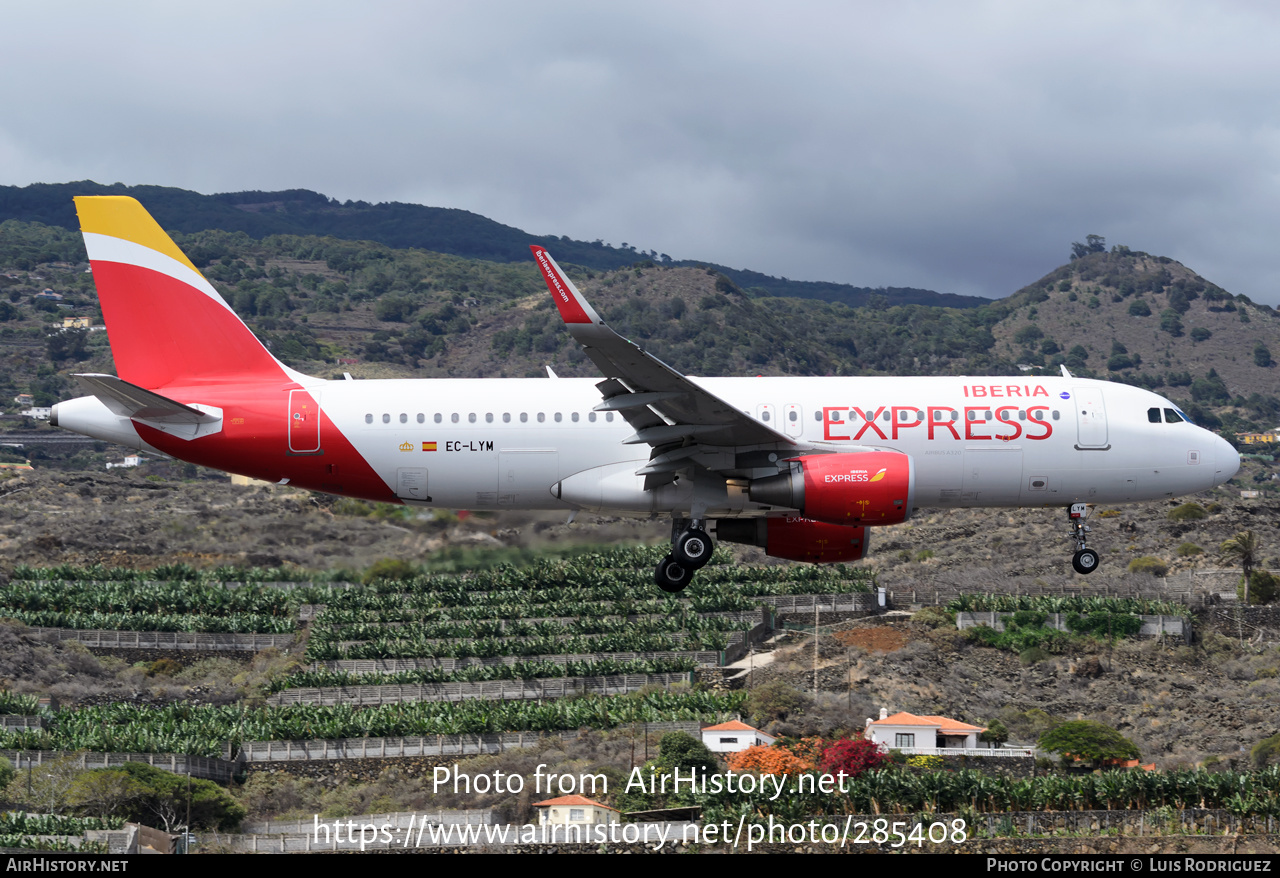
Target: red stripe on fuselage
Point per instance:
(254, 442)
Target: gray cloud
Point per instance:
(960, 147)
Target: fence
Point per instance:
(105, 639)
(221, 770)
(494, 690)
(1152, 626)
(373, 666)
(22, 722)
(430, 745)
(393, 819)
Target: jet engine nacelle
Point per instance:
(797, 539)
(858, 488)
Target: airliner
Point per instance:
(801, 467)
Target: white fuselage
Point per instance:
(503, 443)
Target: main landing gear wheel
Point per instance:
(1085, 561)
(693, 548)
(672, 576)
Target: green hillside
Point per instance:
(443, 230)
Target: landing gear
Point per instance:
(691, 548)
(672, 576)
(1085, 560)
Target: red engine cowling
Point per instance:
(797, 539)
(863, 488)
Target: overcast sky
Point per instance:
(960, 147)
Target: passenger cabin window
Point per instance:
(471, 418)
(438, 417)
(1056, 415)
(559, 417)
(386, 418)
(368, 419)
(591, 416)
(488, 417)
(524, 417)
(506, 417)
(574, 417)
(817, 416)
(404, 418)
(422, 419)
(764, 416)
(541, 417)
(793, 416)
(454, 417)
(608, 416)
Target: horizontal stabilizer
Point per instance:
(130, 401)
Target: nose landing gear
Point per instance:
(1085, 560)
(691, 549)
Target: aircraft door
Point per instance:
(304, 422)
(793, 419)
(1091, 419)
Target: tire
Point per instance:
(1085, 561)
(672, 576)
(693, 548)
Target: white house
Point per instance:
(733, 736)
(575, 811)
(922, 734)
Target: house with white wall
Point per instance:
(733, 736)
(928, 735)
(575, 811)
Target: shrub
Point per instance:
(1263, 587)
(852, 757)
(1148, 564)
(1109, 513)
(1187, 512)
(1188, 550)
(1139, 308)
(767, 760)
(390, 568)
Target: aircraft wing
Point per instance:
(665, 407)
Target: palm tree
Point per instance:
(1243, 549)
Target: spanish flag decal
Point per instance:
(880, 475)
(428, 446)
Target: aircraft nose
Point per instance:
(1226, 461)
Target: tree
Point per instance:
(1263, 587)
(1093, 244)
(682, 751)
(996, 734)
(1242, 549)
(1085, 739)
(104, 792)
(165, 798)
(1262, 356)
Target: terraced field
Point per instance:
(593, 623)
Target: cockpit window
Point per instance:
(1171, 417)
(1153, 415)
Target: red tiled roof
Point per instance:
(571, 800)
(732, 726)
(941, 722)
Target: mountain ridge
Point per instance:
(397, 224)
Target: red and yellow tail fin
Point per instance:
(167, 324)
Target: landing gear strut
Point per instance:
(691, 549)
(1085, 560)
